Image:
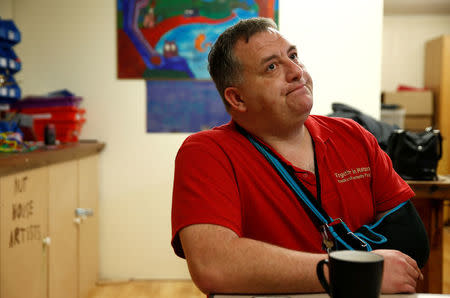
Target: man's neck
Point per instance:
(294, 145)
(279, 140)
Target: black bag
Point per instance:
(415, 155)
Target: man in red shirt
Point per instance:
(239, 226)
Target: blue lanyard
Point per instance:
(317, 214)
(312, 206)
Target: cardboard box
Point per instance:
(414, 102)
(418, 123)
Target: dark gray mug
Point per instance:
(353, 274)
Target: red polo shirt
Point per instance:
(221, 178)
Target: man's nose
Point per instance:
(294, 71)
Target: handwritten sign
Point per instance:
(22, 235)
(20, 184)
(25, 229)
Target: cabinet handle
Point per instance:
(47, 241)
(77, 220)
(84, 212)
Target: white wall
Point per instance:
(404, 39)
(72, 44)
(340, 44)
(6, 9)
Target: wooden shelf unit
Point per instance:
(46, 249)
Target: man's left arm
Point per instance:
(396, 217)
(404, 231)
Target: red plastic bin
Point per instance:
(66, 131)
(55, 113)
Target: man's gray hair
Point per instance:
(223, 66)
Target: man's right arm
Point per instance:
(221, 262)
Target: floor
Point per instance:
(185, 289)
(147, 289)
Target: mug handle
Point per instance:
(321, 275)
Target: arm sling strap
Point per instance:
(401, 228)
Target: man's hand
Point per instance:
(400, 274)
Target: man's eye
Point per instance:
(294, 56)
(271, 67)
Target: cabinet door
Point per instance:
(63, 252)
(23, 226)
(88, 233)
(437, 79)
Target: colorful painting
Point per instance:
(167, 42)
(170, 39)
(183, 106)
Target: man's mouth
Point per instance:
(295, 88)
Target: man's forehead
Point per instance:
(259, 41)
(270, 34)
(275, 33)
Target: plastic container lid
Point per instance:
(40, 102)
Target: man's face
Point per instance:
(276, 87)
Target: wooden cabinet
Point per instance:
(63, 251)
(437, 79)
(49, 229)
(23, 228)
(88, 248)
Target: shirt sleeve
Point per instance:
(388, 188)
(205, 189)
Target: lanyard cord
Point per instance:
(316, 173)
(312, 206)
(287, 173)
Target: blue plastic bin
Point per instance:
(9, 90)
(9, 34)
(9, 60)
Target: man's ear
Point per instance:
(234, 98)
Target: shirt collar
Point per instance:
(318, 130)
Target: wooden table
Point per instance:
(429, 202)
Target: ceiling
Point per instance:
(406, 7)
